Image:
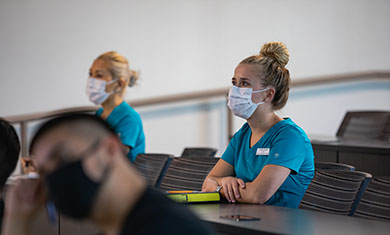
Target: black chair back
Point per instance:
(193, 152)
(375, 202)
(152, 166)
(333, 166)
(373, 125)
(336, 192)
(187, 173)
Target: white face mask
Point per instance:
(96, 90)
(240, 101)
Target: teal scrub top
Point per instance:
(284, 144)
(127, 123)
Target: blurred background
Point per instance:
(185, 46)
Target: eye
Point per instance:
(245, 84)
(234, 82)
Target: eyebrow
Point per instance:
(100, 71)
(97, 71)
(242, 79)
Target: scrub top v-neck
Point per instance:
(127, 123)
(284, 144)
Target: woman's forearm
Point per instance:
(211, 183)
(250, 194)
(265, 185)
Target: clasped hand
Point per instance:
(231, 188)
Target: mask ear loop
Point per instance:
(89, 152)
(262, 90)
(115, 89)
(258, 91)
(106, 172)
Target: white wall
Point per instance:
(46, 48)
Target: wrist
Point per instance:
(19, 218)
(218, 188)
(13, 224)
(216, 180)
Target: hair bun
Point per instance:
(134, 76)
(277, 51)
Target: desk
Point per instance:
(280, 220)
(366, 155)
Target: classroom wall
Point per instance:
(47, 47)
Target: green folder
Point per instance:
(194, 196)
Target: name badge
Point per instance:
(262, 151)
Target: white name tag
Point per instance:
(262, 151)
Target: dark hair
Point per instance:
(9, 151)
(68, 119)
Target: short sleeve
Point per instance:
(99, 112)
(230, 151)
(129, 130)
(288, 149)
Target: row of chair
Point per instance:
(336, 191)
(336, 188)
(375, 202)
(339, 189)
(154, 167)
(167, 172)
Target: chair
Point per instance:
(336, 192)
(333, 166)
(374, 125)
(152, 166)
(375, 202)
(187, 173)
(205, 152)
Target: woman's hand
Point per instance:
(231, 188)
(209, 185)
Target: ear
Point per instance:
(270, 94)
(112, 145)
(121, 83)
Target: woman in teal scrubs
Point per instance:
(270, 159)
(109, 76)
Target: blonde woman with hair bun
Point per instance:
(270, 159)
(109, 76)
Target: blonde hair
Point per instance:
(270, 65)
(119, 67)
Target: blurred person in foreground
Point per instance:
(9, 155)
(85, 172)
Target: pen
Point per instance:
(51, 212)
(182, 191)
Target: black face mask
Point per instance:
(72, 191)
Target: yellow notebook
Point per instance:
(193, 196)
